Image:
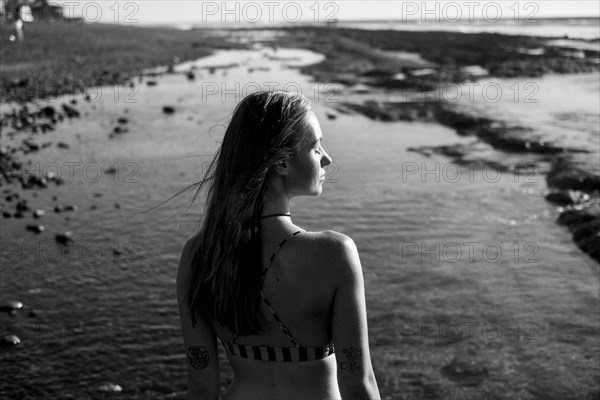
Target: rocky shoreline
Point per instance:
(378, 59)
(75, 59)
(371, 58)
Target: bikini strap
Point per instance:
(283, 328)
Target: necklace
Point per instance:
(276, 215)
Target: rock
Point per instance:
(168, 109)
(331, 115)
(31, 146)
(65, 238)
(18, 214)
(190, 75)
(574, 217)
(36, 228)
(560, 197)
(120, 129)
(39, 213)
(70, 111)
(6, 214)
(62, 145)
(61, 208)
(11, 306)
(9, 341)
(151, 83)
(465, 372)
(117, 205)
(30, 181)
(564, 175)
(48, 112)
(110, 387)
(32, 314)
(585, 228)
(122, 120)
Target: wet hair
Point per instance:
(266, 129)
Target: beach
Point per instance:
(473, 288)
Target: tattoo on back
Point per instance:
(352, 354)
(198, 357)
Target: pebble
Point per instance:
(9, 341)
(465, 372)
(36, 228)
(61, 208)
(168, 109)
(39, 213)
(11, 306)
(64, 238)
(110, 387)
(22, 205)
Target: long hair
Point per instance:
(225, 279)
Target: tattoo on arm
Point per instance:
(198, 357)
(352, 354)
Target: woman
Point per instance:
(276, 296)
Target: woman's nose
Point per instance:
(326, 160)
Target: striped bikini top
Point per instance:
(285, 354)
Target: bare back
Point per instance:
(315, 286)
(300, 288)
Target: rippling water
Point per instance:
(583, 28)
(438, 245)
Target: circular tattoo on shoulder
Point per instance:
(198, 356)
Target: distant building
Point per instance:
(29, 10)
(41, 10)
(332, 23)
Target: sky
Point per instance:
(151, 12)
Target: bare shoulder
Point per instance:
(335, 251)
(334, 244)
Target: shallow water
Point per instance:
(439, 245)
(581, 28)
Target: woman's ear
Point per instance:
(281, 168)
